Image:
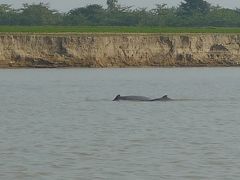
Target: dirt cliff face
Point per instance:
(119, 50)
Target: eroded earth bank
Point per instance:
(119, 50)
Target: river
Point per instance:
(62, 124)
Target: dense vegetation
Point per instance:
(190, 13)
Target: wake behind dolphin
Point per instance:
(140, 98)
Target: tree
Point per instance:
(223, 17)
(7, 15)
(189, 7)
(112, 4)
(161, 9)
(5, 8)
(90, 14)
(38, 14)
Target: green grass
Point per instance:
(112, 29)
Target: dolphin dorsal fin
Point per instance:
(117, 97)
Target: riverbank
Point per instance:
(52, 50)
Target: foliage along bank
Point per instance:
(190, 13)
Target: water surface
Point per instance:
(62, 124)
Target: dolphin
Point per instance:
(140, 98)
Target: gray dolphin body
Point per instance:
(140, 98)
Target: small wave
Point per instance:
(97, 99)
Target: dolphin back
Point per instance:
(164, 98)
(131, 98)
(140, 98)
